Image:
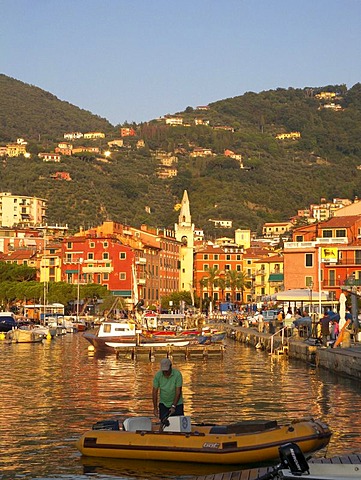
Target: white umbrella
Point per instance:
(342, 310)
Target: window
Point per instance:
(216, 256)
(228, 257)
(105, 244)
(105, 256)
(341, 233)
(238, 268)
(299, 238)
(205, 267)
(122, 276)
(327, 233)
(205, 256)
(332, 278)
(122, 255)
(308, 282)
(90, 256)
(358, 257)
(69, 257)
(69, 245)
(238, 257)
(309, 259)
(227, 266)
(92, 245)
(216, 267)
(105, 276)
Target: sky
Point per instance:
(137, 60)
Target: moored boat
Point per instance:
(20, 335)
(113, 335)
(240, 443)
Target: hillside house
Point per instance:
(15, 149)
(73, 135)
(288, 136)
(173, 121)
(49, 156)
(201, 152)
(61, 176)
(94, 135)
(64, 148)
(127, 132)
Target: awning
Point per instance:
(276, 277)
(300, 294)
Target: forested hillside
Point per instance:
(28, 111)
(280, 176)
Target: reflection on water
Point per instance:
(53, 392)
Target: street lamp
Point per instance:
(80, 261)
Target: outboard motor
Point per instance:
(293, 458)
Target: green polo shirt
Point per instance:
(167, 386)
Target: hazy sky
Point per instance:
(136, 60)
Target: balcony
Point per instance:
(141, 281)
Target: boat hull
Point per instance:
(202, 446)
(110, 344)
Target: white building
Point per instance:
(21, 210)
(184, 233)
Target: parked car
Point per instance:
(7, 321)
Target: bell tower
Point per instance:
(184, 233)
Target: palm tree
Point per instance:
(222, 284)
(213, 274)
(237, 280)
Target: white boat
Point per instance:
(112, 335)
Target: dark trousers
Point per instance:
(164, 411)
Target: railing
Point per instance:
(283, 329)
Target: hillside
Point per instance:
(30, 112)
(281, 176)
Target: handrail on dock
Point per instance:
(283, 329)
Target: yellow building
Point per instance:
(15, 149)
(268, 278)
(288, 136)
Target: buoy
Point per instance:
(48, 337)
(2, 336)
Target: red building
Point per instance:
(99, 259)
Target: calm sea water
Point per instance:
(52, 392)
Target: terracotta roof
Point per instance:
(341, 221)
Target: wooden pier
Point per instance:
(187, 352)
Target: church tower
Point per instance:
(184, 233)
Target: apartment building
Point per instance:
(21, 210)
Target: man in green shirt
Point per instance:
(168, 382)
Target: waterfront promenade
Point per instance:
(341, 359)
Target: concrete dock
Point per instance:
(345, 360)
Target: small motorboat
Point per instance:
(180, 441)
(20, 335)
(294, 465)
(113, 335)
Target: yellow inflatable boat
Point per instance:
(180, 441)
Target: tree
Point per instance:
(237, 280)
(212, 278)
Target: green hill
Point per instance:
(28, 111)
(281, 176)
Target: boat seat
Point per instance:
(132, 424)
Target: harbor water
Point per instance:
(52, 392)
